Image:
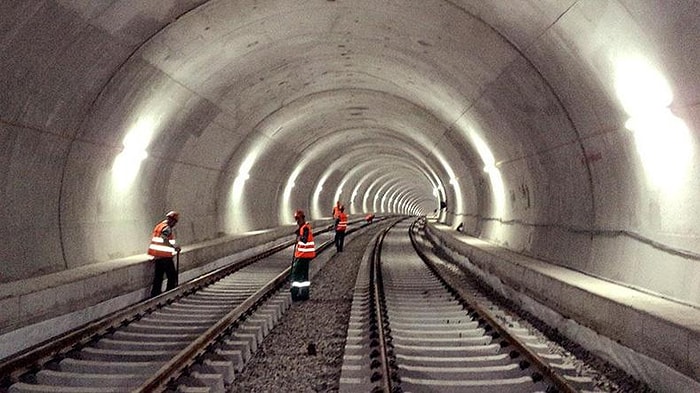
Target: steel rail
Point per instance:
(178, 364)
(376, 283)
(33, 358)
(168, 372)
(453, 284)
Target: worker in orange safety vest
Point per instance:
(341, 224)
(304, 252)
(163, 248)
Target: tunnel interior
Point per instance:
(562, 130)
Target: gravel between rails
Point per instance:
(285, 361)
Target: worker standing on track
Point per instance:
(162, 248)
(304, 252)
(341, 224)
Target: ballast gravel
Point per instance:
(304, 352)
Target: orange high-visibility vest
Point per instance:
(308, 249)
(160, 247)
(343, 223)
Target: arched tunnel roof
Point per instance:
(543, 126)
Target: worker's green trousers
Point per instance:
(300, 279)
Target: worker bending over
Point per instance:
(162, 248)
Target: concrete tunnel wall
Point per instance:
(565, 130)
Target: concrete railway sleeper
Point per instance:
(194, 338)
(413, 330)
(197, 340)
(424, 327)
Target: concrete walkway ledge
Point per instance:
(654, 339)
(42, 307)
(38, 299)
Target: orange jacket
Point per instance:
(336, 210)
(341, 222)
(159, 247)
(305, 242)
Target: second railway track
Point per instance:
(413, 331)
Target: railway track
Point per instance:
(191, 339)
(197, 339)
(414, 329)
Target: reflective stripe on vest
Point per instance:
(308, 249)
(158, 246)
(343, 223)
(301, 284)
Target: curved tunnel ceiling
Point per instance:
(292, 74)
(296, 80)
(288, 85)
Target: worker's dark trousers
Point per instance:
(300, 279)
(339, 240)
(164, 266)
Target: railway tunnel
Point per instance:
(562, 132)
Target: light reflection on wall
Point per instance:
(391, 198)
(351, 202)
(662, 139)
(127, 164)
(315, 206)
(497, 188)
(439, 194)
(456, 204)
(379, 193)
(397, 198)
(356, 207)
(361, 206)
(366, 196)
(410, 204)
(459, 204)
(388, 197)
(285, 215)
(338, 195)
(401, 204)
(351, 207)
(236, 214)
(470, 128)
(382, 195)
